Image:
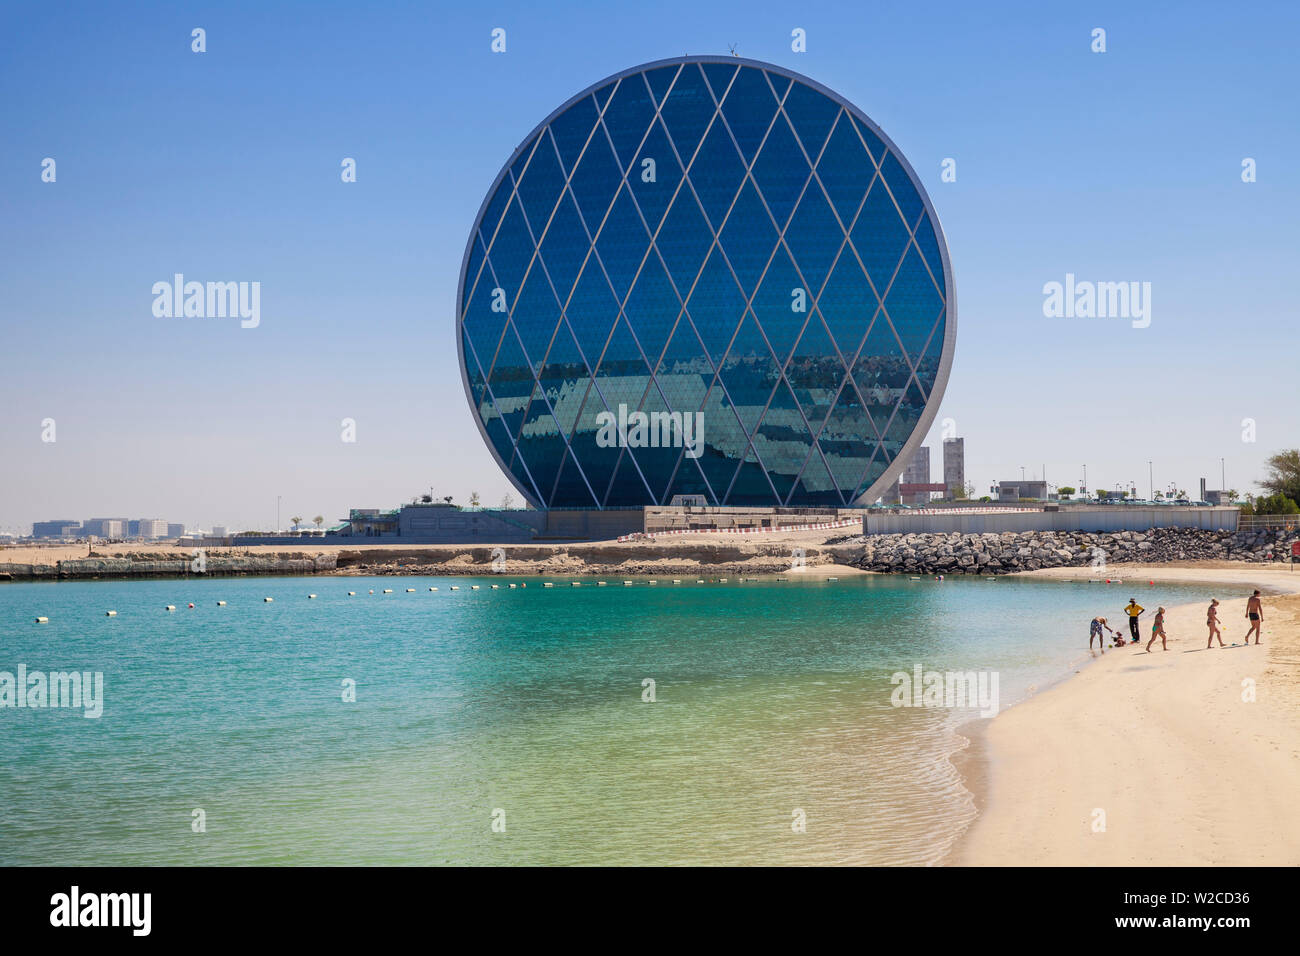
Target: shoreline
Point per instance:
(1151, 749)
(720, 553)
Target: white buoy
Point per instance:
(677, 580)
(722, 580)
(548, 584)
(410, 590)
(575, 584)
(652, 581)
(221, 604)
(267, 600)
(473, 587)
(310, 596)
(513, 586)
(388, 590)
(352, 594)
(433, 589)
(832, 579)
(455, 588)
(110, 614)
(600, 584)
(700, 581)
(627, 584)
(170, 607)
(42, 620)
(496, 587)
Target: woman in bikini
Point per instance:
(1212, 620)
(1158, 630)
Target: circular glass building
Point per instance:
(705, 276)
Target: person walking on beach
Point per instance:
(1212, 620)
(1094, 630)
(1254, 611)
(1158, 630)
(1134, 611)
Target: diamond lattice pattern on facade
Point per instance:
(711, 239)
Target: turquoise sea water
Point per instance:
(770, 698)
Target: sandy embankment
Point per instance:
(1185, 771)
(781, 552)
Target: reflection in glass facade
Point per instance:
(716, 236)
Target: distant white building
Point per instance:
(105, 527)
(153, 528)
(219, 531)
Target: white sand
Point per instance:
(1184, 770)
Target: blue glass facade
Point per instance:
(723, 241)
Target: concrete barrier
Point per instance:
(1092, 518)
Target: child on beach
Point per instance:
(1158, 630)
(1212, 620)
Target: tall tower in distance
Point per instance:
(917, 472)
(954, 466)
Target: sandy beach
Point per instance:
(1152, 759)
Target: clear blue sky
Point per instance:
(225, 165)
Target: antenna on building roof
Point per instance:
(732, 47)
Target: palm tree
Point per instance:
(318, 521)
(473, 499)
(296, 522)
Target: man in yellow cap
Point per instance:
(1134, 611)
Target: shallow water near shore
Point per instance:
(519, 705)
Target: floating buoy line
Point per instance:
(546, 584)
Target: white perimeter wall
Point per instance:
(1094, 518)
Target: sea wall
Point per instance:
(989, 553)
(952, 553)
(153, 566)
(746, 556)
